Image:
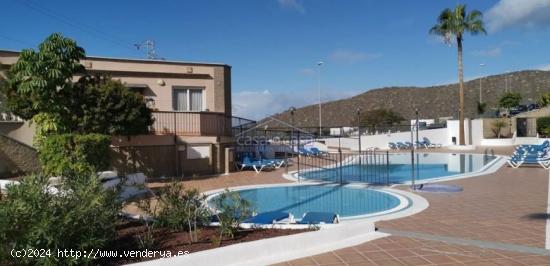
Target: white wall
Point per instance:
(441, 135)
(381, 141)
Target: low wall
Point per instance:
(16, 158)
(168, 156)
(439, 135)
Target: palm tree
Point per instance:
(454, 23)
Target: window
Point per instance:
(188, 99)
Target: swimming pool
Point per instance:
(427, 166)
(346, 201)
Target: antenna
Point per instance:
(149, 46)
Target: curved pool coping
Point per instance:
(404, 202)
(489, 168)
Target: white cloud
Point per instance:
(292, 5)
(350, 57)
(259, 104)
(543, 67)
(491, 52)
(518, 13)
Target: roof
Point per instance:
(140, 60)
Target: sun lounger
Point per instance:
(320, 218)
(258, 166)
(516, 162)
(429, 144)
(269, 218)
(316, 152)
(393, 146)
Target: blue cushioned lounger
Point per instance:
(319, 218)
(268, 217)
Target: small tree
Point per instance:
(40, 88)
(545, 99)
(509, 100)
(99, 104)
(181, 209)
(232, 211)
(498, 125)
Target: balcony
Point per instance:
(191, 123)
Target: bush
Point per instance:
(232, 211)
(180, 209)
(543, 126)
(81, 216)
(498, 125)
(69, 154)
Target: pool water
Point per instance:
(427, 166)
(344, 200)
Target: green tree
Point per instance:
(38, 80)
(381, 117)
(545, 99)
(509, 100)
(40, 88)
(454, 23)
(99, 104)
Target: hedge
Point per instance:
(69, 154)
(543, 126)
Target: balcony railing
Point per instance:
(191, 123)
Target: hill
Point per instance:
(432, 102)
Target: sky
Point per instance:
(274, 46)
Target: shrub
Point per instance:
(544, 99)
(80, 216)
(181, 209)
(232, 211)
(543, 126)
(498, 125)
(69, 154)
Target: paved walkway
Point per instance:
(494, 214)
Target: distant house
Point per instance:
(192, 110)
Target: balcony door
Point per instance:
(188, 99)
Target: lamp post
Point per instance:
(319, 64)
(416, 112)
(480, 79)
(359, 128)
(292, 110)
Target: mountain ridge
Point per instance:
(432, 101)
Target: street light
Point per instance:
(292, 110)
(358, 111)
(481, 78)
(319, 64)
(416, 112)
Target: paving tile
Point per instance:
(439, 259)
(327, 259)
(415, 260)
(303, 262)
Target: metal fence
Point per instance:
(346, 167)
